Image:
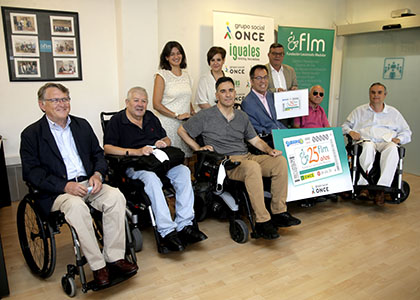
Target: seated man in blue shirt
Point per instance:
(132, 132)
(259, 103)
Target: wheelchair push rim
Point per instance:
(36, 240)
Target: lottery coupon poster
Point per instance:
(316, 160)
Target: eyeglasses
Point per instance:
(259, 78)
(64, 100)
(277, 53)
(321, 94)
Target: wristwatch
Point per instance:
(176, 116)
(100, 176)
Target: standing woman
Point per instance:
(206, 90)
(172, 93)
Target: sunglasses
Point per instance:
(316, 94)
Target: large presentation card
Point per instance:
(291, 104)
(316, 159)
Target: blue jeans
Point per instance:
(180, 178)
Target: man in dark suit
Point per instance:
(259, 103)
(61, 157)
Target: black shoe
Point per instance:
(285, 220)
(191, 234)
(172, 242)
(266, 230)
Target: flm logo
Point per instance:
(305, 45)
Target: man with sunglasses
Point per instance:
(316, 117)
(259, 103)
(381, 127)
(61, 158)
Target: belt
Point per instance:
(79, 179)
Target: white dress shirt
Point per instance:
(278, 78)
(67, 147)
(378, 126)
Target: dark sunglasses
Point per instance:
(316, 94)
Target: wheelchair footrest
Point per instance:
(91, 285)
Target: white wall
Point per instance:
(121, 41)
(99, 88)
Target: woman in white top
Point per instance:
(172, 93)
(206, 90)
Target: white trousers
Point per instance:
(388, 163)
(111, 202)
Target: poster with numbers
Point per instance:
(316, 159)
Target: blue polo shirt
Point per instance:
(121, 132)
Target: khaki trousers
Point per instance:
(111, 202)
(251, 170)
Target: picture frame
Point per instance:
(65, 68)
(62, 25)
(42, 45)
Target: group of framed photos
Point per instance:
(42, 45)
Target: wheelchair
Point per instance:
(399, 189)
(139, 208)
(37, 241)
(227, 199)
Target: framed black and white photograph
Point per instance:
(63, 46)
(23, 23)
(27, 68)
(42, 45)
(65, 67)
(62, 25)
(25, 45)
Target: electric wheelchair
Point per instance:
(225, 198)
(37, 241)
(399, 189)
(140, 213)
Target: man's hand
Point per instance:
(146, 150)
(396, 140)
(354, 135)
(293, 88)
(75, 189)
(160, 144)
(206, 147)
(275, 153)
(96, 183)
(280, 90)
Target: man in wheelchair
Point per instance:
(61, 157)
(380, 128)
(136, 131)
(223, 130)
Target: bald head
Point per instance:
(316, 95)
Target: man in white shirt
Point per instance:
(281, 77)
(383, 127)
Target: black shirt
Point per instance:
(121, 132)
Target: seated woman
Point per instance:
(206, 91)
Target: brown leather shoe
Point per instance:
(364, 195)
(380, 198)
(101, 277)
(123, 267)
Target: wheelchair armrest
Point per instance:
(230, 165)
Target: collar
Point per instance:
(274, 70)
(385, 110)
(259, 94)
(126, 121)
(55, 126)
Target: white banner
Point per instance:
(291, 104)
(247, 40)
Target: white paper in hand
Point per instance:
(160, 155)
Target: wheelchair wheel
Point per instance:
(405, 193)
(69, 285)
(238, 231)
(137, 239)
(36, 240)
